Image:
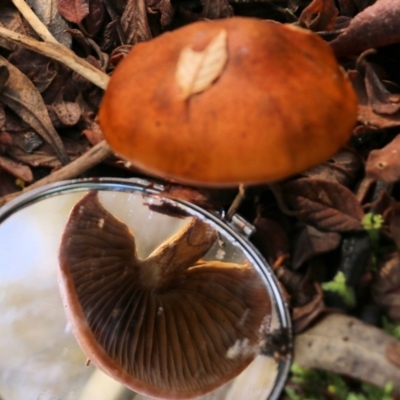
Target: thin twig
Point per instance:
(92, 157)
(59, 53)
(34, 21)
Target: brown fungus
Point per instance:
(238, 100)
(172, 325)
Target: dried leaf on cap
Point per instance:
(197, 70)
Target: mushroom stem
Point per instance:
(177, 254)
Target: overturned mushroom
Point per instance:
(172, 325)
(229, 101)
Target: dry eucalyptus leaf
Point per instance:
(73, 10)
(319, 15)
(18, 170)
(313, 242)
(197, 70)
(328, 206)
(4, 74)
(346, 345)
(376, 26)
(384, 164)
(21, 95)
(386, 286)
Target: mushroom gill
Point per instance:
(169, 326)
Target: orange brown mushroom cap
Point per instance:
(278, 104)
(172, 325)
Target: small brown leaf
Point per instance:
(67, 112)
(376, 26)
(386, 286)
(197, 70)
(73, 10)
(326, 205)
(384, 164)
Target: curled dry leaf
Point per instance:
(384, 164)
(319, 15)
(366, 115)
(303, 316)
(346, 345)
(381, 100)
(197, 70)
(165, 8)
(313, 242)
(326, 205)
(386, 286)
(73, 10)
(23, 98)
(377, 25)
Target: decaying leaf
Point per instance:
(73, 10)
(343, 168)
(67, 112)
(386, 286)
(326, 205)
(346, 345)
(134, 22)
(197, 70)
(23, 98)
(366, 115)
(377, 25)
(47, 12)
(381, 100)
(18, 170)
(384, 164)
(312, 242)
